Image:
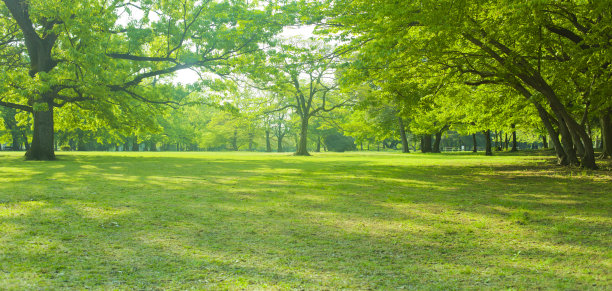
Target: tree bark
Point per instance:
(279, 146)
(426, 143)
(605, 120)
(402, 131)
(436, 145)
(562, 158)
(475, 145)
(268, 146)
(506, 141)
(488, 150)
(514, 144)
(318, 150)
(544, 141)
(302, 149)
(41, 148)
(568, 144)
(581, 140)
(25, 141)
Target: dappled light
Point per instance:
(232, 221)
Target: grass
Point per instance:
(274, 221)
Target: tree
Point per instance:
(552, 53)
(305, 74)
(82, 52)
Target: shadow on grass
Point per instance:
(271, 221)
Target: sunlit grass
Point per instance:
(275, 221)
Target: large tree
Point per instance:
(555, 54)
(106, 55)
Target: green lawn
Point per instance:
(275, 221)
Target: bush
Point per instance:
(339, 143)
(65, 148)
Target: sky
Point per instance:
(303, 32)
(188, 76)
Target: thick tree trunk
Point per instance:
(402, 131)
(426, 143)
(544, 141)
(268, 145)
(475, 144)
(279, 146)
(41, 148)
(562, 158)
(568, 144)
(436, 145)
(581, 140)
(488, 150)
(302, 149)
(606, 134)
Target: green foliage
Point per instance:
(338, 142)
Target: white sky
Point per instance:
(189, 77)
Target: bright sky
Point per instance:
(189, 76)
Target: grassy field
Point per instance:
(275, 221)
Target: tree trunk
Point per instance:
(235, 140)
(475, 146)
(426, 143)
(279, 147)
(436, 145)
(402, 131)
(606, 134)
(488, 150)
(302, 149)
(582, 141)
(41, 148)
(153, 146)
(25, 141)
(562, 158)
(544, 141)
(318, 150)
(136, 147)
(506, 141)
(514, 144)
(268, 146)
(10, 123)
(568, 144)
(496, 140)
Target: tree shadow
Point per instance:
(218, 222)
